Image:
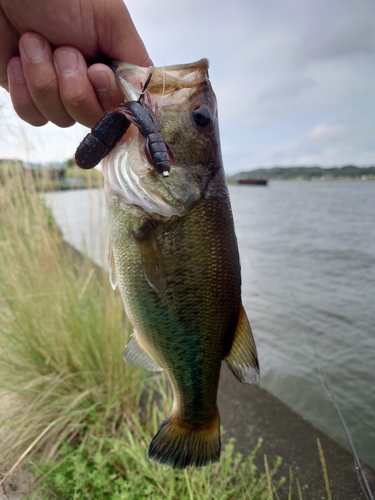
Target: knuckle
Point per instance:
(76, 100)
(44, 87)
(30, 114)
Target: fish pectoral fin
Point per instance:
(152, 258)
(112, 267)
(243, 358)
(136, 355)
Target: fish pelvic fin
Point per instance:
(243, 358)
(179, 446)
(136, 355)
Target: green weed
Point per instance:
(117, 468)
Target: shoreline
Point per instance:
(249, 412)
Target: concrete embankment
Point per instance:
(249, 412)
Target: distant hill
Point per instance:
(308, 173)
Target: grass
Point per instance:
(103, 466)
(74, 177)
(47, 180)
(92, 178)
(117, 468)
(69, 400)
(62, 332)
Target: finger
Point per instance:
(122, 41)
(76, 91)
(41, 78)
(22, 101)
(104, 83)
(8, 47)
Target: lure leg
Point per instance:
(102, 139)
(159, 154)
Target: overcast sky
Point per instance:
(294, 79)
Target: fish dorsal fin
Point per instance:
(136, 355)
(152, 258)
(112, 267)
(242, 358)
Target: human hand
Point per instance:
(46, 48)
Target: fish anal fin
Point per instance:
(178, 445)
(112, 267)
(152, 258)
(136, 355)
(243, 358)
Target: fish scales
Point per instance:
(176, 260)
(180, 321)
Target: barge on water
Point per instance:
(253, 182)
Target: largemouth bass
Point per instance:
(176, 258)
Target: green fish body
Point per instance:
(176, 259)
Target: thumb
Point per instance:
(119, 38)
(8, 47)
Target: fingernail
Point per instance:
(100, 81)
(15, 69)
(66, 61)
(34, 48)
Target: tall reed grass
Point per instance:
(62, 332)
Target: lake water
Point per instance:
(308, 268)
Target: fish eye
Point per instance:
(202, 116)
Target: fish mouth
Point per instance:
(127, 171)
(129, 175)
(165, 79)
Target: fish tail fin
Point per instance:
(179, 446)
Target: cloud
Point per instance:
(337, 30)
(287, 88)
(294, 79)
(326, 132)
